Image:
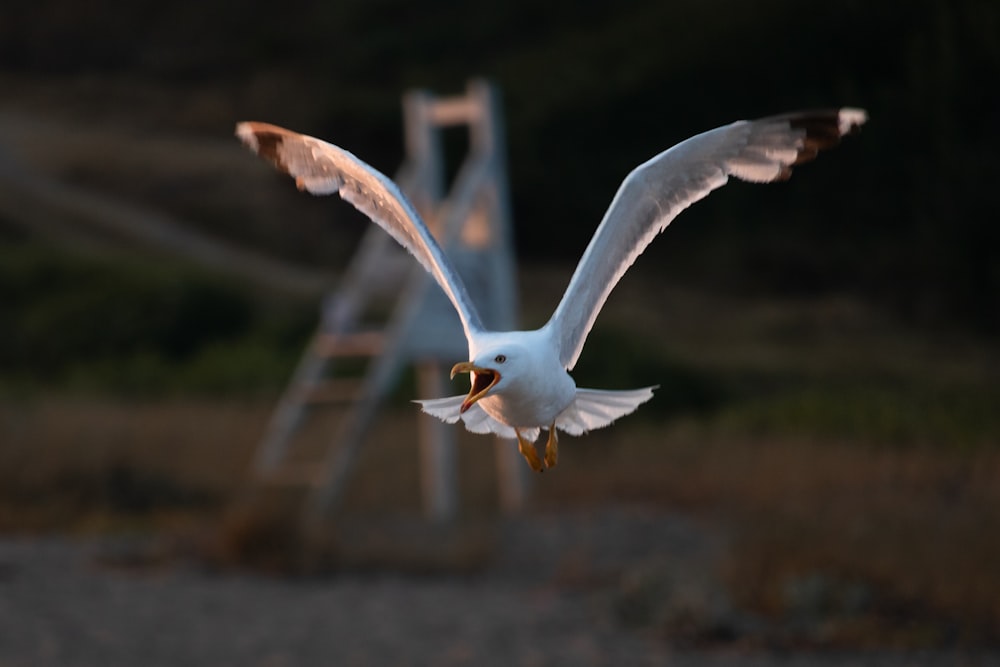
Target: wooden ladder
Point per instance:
(472, 223)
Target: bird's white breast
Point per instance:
(538, 405)
(536, 387)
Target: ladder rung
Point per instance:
(293, 474)
(331, 391)
(357, 344)
(448, 111)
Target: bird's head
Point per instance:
(487, 371)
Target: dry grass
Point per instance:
(914, 532)
(890, 545)
(84, 463)
(94, 463)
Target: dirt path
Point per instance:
(558, 593)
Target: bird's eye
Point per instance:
(500, 358)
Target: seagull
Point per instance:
(520, 381)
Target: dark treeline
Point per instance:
(906, 213)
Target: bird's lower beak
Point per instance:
(483, 379)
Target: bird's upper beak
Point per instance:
(483, 380)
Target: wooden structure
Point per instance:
(472, 224)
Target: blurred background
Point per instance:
(827, 426)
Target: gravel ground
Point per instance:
(553, 595)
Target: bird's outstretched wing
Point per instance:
(655, 192)
(322, 169)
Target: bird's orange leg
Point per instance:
(552, 448)
(529, 452)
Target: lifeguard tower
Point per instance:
(471, 221)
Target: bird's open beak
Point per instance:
(483, 380)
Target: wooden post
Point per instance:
(512, 477)
(438, 455)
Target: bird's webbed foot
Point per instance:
(529, 453)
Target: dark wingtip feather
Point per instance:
(824, 128)
(265, 140)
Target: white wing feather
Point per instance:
(597, 408)
(655, 192)
(475, 418)
(323, 169)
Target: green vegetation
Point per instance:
(83, 325)
(137, 328)
(862, 412)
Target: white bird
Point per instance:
(520, 379)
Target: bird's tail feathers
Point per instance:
(475, 418)
(591, 409)
(445, 409)
(596, 408)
